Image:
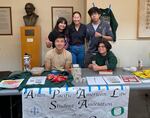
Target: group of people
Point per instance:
(68, 43)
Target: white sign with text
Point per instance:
(76, 102)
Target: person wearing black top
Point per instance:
(77, 34)
(60, 29)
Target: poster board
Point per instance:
(143, 30)
(76, 102)
(61, 11)
(5, 21)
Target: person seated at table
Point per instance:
(104, 58)
(58, 58)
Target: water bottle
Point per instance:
(76, 72)
(140, 64)
(27, 62)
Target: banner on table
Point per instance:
(76, 102)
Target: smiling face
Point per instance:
(76, 19)
(102, 49)
(60, 43)
(62, 25)
(95, 17)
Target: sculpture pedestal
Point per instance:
(31, 44)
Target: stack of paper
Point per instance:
(113, 80)
(95, 80)
(10, 83)
(106, 72)
(36, 80)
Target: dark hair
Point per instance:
(76, 12)
(60, 36)
(106, 44)
(93, 10)
(60, 20)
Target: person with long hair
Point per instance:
(77, 35)
(60, 28)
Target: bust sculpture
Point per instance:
(31, 18)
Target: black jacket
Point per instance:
(108, 15)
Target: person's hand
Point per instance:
(48, 43)
(97, 34)
(90, 66)
(95, 67)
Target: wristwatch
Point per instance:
(101, 36)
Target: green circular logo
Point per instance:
(117, 111)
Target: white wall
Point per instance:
(10, 50)
(128, 48)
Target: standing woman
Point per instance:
(60, 29)
(77, 34)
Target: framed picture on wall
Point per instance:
(143, 29)
(61, 11)
(5, 21)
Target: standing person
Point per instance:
(60, 28)
(104, 58)
(77, 35)
(97, 29)
(58, 58)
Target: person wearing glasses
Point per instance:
(104, 58)
(97, 29)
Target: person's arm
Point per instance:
(85, 37)
(88, 33)
(112, 61)
(108, 33)
(68, 62)
(111, 64)
(48, 43)
(108, 38)
(47, 62)
(49, 40)
(99, 68)
(95, 67)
